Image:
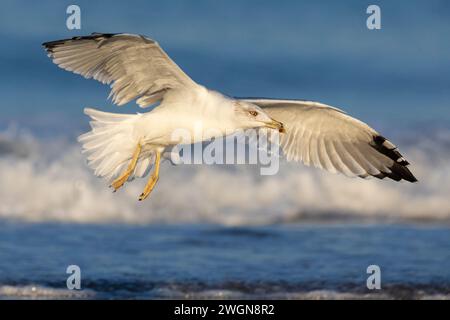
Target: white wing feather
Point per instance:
(135, 66)
(326, 137)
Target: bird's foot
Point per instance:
(148, 188)
(120, 181)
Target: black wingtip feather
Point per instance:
(399, 168)
(49, 46)
(388, 149)
(401, 172)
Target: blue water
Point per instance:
(225, 231)
(208, 261)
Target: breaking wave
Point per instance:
(48, 180)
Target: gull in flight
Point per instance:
(123, 146)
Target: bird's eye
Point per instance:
(253, 113)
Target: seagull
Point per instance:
(121, 147)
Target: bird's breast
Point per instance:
(190, 117)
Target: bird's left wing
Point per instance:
(135, 66)
(328, 138)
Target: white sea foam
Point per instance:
(41, 292)
(49, 181)
(307, 295)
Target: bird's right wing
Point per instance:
(135, 66)
(328, 138)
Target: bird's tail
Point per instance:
(110, 144)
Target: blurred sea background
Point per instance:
(225, 231)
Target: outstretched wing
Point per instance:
(135, 66)
(328, 138)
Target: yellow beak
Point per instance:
(277, 125)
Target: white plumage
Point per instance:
(110, 143)
(138, 69)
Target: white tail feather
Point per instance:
(110, 144)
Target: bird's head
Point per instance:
(251, 116)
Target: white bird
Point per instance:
(124, 146)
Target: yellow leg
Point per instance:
(126, 174)
(152, 180)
